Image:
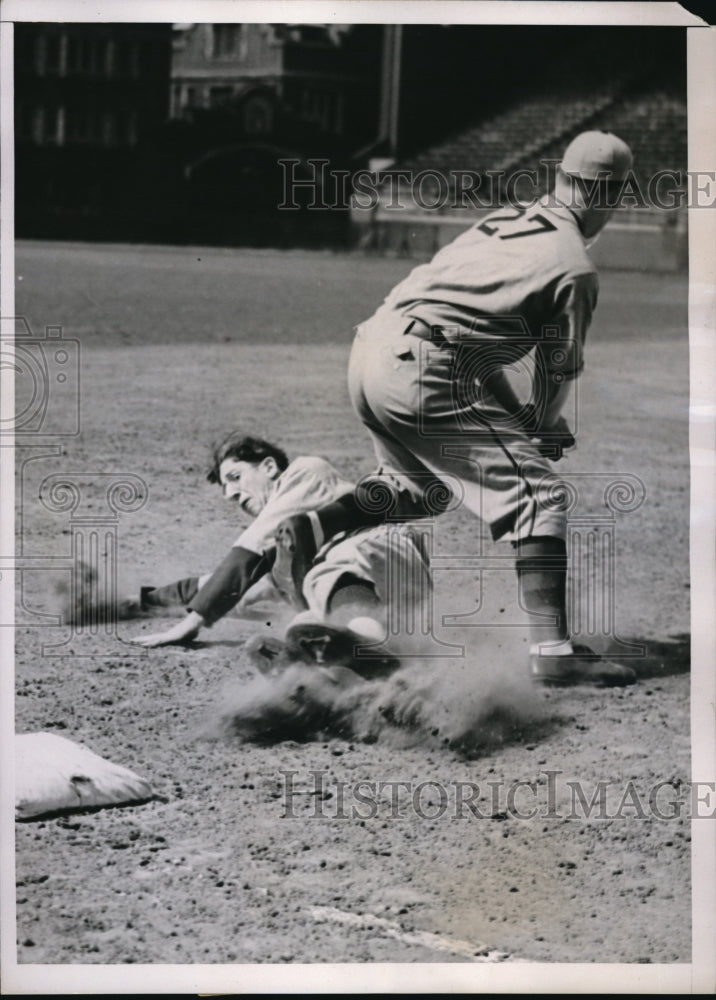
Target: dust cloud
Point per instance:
(468, 703)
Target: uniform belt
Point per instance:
(419, 328)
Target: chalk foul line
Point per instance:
(470, 950)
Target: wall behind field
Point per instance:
(659, 246)
(99, 155)
(633, 241)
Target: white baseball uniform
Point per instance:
(391, 557)
(519, 281)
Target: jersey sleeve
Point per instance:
(307, 484)
(562, 344)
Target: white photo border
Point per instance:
(700, 975)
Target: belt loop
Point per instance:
(433, 334)
(438, 337)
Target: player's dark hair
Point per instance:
(241, 448)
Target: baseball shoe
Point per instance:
(295, 552)
(311, 641)
(583, 667)
(267, 655)
(270, 657)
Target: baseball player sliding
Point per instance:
(352, 579)
(427, 377)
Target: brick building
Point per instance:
(85, 97)
(244, 98)
(321, 75)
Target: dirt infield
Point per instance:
(291, 851)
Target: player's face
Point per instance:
(248, 484)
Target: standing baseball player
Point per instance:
(352, 579)
(427, 377)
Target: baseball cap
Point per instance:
(593, 155)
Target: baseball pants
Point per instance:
(430, 421)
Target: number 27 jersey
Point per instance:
(520, 274)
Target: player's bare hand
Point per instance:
(183, 632)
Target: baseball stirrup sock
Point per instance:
(541, 565)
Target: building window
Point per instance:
(59, 136)
(208, 41)
(76, 125)
(63, 55)
(132, 129)
(227, 39)
(38, 125)
(109, 129)
(85, 125)
(134, 59)
(122, 58)
(175, 102)
(317, 107)
(72, 54)
(85, 47)
(81, 54)
(39, 54)
(52, 54)
(108, 56)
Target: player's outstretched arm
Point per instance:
(226, 586)
(218, 595)
(183, 631)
